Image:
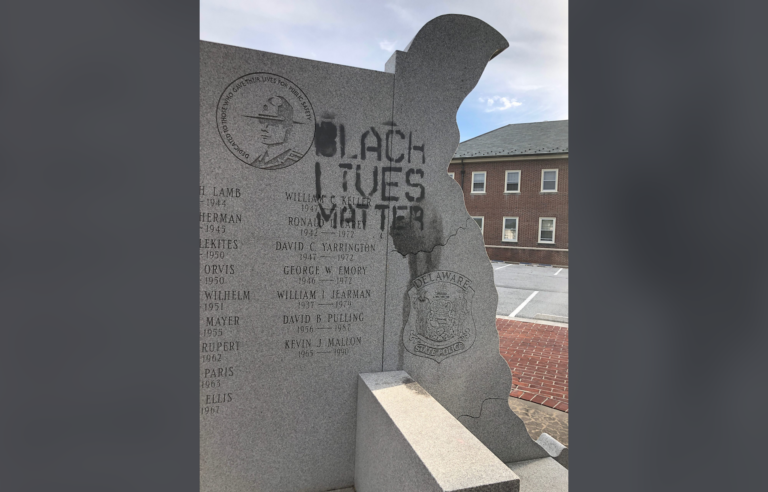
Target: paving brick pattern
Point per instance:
(537, 355)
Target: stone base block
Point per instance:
(407, 441)
(555, 449)
(541, 475)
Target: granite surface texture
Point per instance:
(292, 310)
(541, 475)
(333, 243)
(438, 69)
(407, 441)
(555, 448)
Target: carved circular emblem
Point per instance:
(440, 323)
(265, 120)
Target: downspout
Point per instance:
(462, 175)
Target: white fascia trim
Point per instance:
(467, 160)
(525, 247)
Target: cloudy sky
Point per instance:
(526, 83)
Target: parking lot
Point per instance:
(532, 293)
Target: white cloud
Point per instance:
(499, 103)
(364, 34)
(388, 46)
(406, 16)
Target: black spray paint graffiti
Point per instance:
(330, 139)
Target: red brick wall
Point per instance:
(528, 206)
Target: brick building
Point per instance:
(515, 182)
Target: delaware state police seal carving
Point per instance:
(440, 322)
(265, 120)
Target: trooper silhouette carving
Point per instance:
(275, 122)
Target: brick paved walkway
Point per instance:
(537, 355)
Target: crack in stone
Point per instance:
(394, 250)
(481, 408)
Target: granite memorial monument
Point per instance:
(334, 244)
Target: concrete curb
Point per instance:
(530, 264)
(535, 321)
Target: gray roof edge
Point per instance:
(511, 124)
(502, 156)
(516, 139)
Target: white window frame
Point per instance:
(504, 229)
(452, 175)
(482, 219)
(485, 183)
(557, 179)
(554, 229)
(519, 179)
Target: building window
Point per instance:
(509, 233)
(478, 182)
(513, 182)
(479, 221)
(549, 180)
(547, 230)
(451, 175)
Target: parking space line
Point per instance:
(505, 266)
(558, 271)
(521, 306)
